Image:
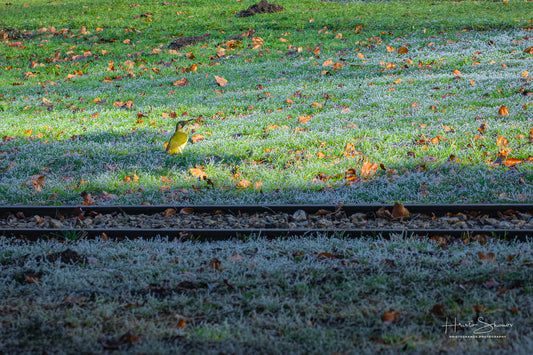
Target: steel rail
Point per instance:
(229, 234)
(207, 234)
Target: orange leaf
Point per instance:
(258, 184)
(182, 82)
(197, 138)
(390, 49)
(501, 141)
(243, 184)
(503, 111)
(182, 323)
(524, 74)
(529, 50)
(304, 119)
(457, 72)
(403, 50)
(512, 161)
(220, 80)
(327, 63)
(368, 169)
(198, 172)
(88, 200)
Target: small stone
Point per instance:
(324, 223)
(299, 216)
(491, 221)
(460, 225)
(54, 223)
(505, 225)
(357, 217)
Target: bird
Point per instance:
(179, 139)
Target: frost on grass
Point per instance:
(309, 294)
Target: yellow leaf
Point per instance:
(524, 74)
(390, 49)
(360, 55)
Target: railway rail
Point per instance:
(210, 222)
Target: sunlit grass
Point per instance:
(410, 113)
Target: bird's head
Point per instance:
(181, 124)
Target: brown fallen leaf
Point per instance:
(383, 212)
(390, 317)
(399, 211)
(438, 309)
(169, 212)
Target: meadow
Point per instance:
(359, 102)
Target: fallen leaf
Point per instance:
(187, 210)
(368, 169)
(215, 264)
(182, 323)
(399, 211)
(503, 111)
(383, 212)
(390, 317)
(182, 82)
(485, 256)
(501, 141)
(235, 257)
(197, 138)
(403, 50)
(438, 309)
(169, 212)
(220, 80)
(243, 184)
(198, 172)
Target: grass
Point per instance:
(295, 295)
(383, 126)
(66, 135)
